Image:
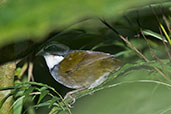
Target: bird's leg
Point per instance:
(69, 94)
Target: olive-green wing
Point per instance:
(84, 67)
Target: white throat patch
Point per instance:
(52, 60)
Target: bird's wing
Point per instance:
(77, 59)
(82, 68)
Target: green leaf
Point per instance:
(47, 103)
(42, 95)
(17, 71)
(43, 88)
(7, 88)
(28, 91)
(53, 100)
(56, 110)
(17, 107)
(155, 35)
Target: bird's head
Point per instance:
(53, 53)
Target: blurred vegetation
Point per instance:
(29, 19)
(141, 86)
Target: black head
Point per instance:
(54, 48)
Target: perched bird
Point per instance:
(79, 68)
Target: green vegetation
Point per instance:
(136, 32)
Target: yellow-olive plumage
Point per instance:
(82, 68)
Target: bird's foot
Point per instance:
(69, 95)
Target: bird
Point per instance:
(78, 69)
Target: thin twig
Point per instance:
(166, 47)
(30, 71)
(167, 23)
(147, 60)
(23, 70)
(152, 52)
(134, 48)
(148, 44)
(30, 68)
(139, 53)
